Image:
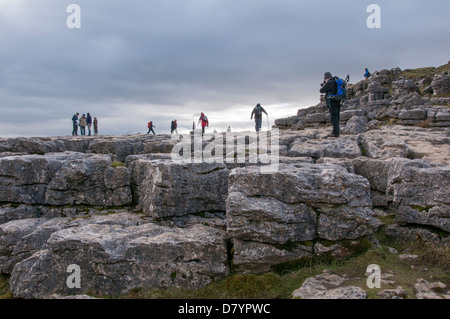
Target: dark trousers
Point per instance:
(75, 129)
(151, 130)
(258, 123)
(335, 115)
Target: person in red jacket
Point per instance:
(150, 127)
(204, 121)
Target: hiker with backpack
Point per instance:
(204, 121)
(150, 127)
(334, 89)
(258, 110)
(173, 127)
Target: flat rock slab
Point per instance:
(114, 258)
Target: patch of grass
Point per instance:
(5, 293)
(117, 164)
(422, 209)
(392, 121)
(424, 124)
(442, 95)
(418, 73)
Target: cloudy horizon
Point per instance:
(136, 61)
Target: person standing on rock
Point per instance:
(258, 110)
(75, 124)
(366, 74)
(95, 126)
(89, 122)
(329, 87)
(83, 124)
(204, 121)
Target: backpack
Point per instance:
(205, 119)
(258, 111)
(149, 124)
(341, 93)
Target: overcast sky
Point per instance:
(135, 61)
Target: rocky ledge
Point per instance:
(130, 216)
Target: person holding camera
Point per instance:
(329, 87)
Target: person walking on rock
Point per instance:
(173, 127)
(150, 127)
(75, 124)
(83, 124)
(258, 110)
(329, 87)
(204, 121)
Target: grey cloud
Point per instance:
(137, 59)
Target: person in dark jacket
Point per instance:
(75, 124)
(173, 127)
(329, 87)
(258, 110)
(89, 122)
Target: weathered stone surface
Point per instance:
(397, 293)
(257, 257)
(15, 212)
(348, 114)
(20, 239)
(344, 147)
(328, 286)
(376, 171)
(420, 193)
(441, 84)
(165, 188)
(428, 290)
(315, 118)
(403, 86)
(355, 125)
(299, 203)
(115, 258)
(63, 179)
(410, 234)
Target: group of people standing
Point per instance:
(83, 122)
